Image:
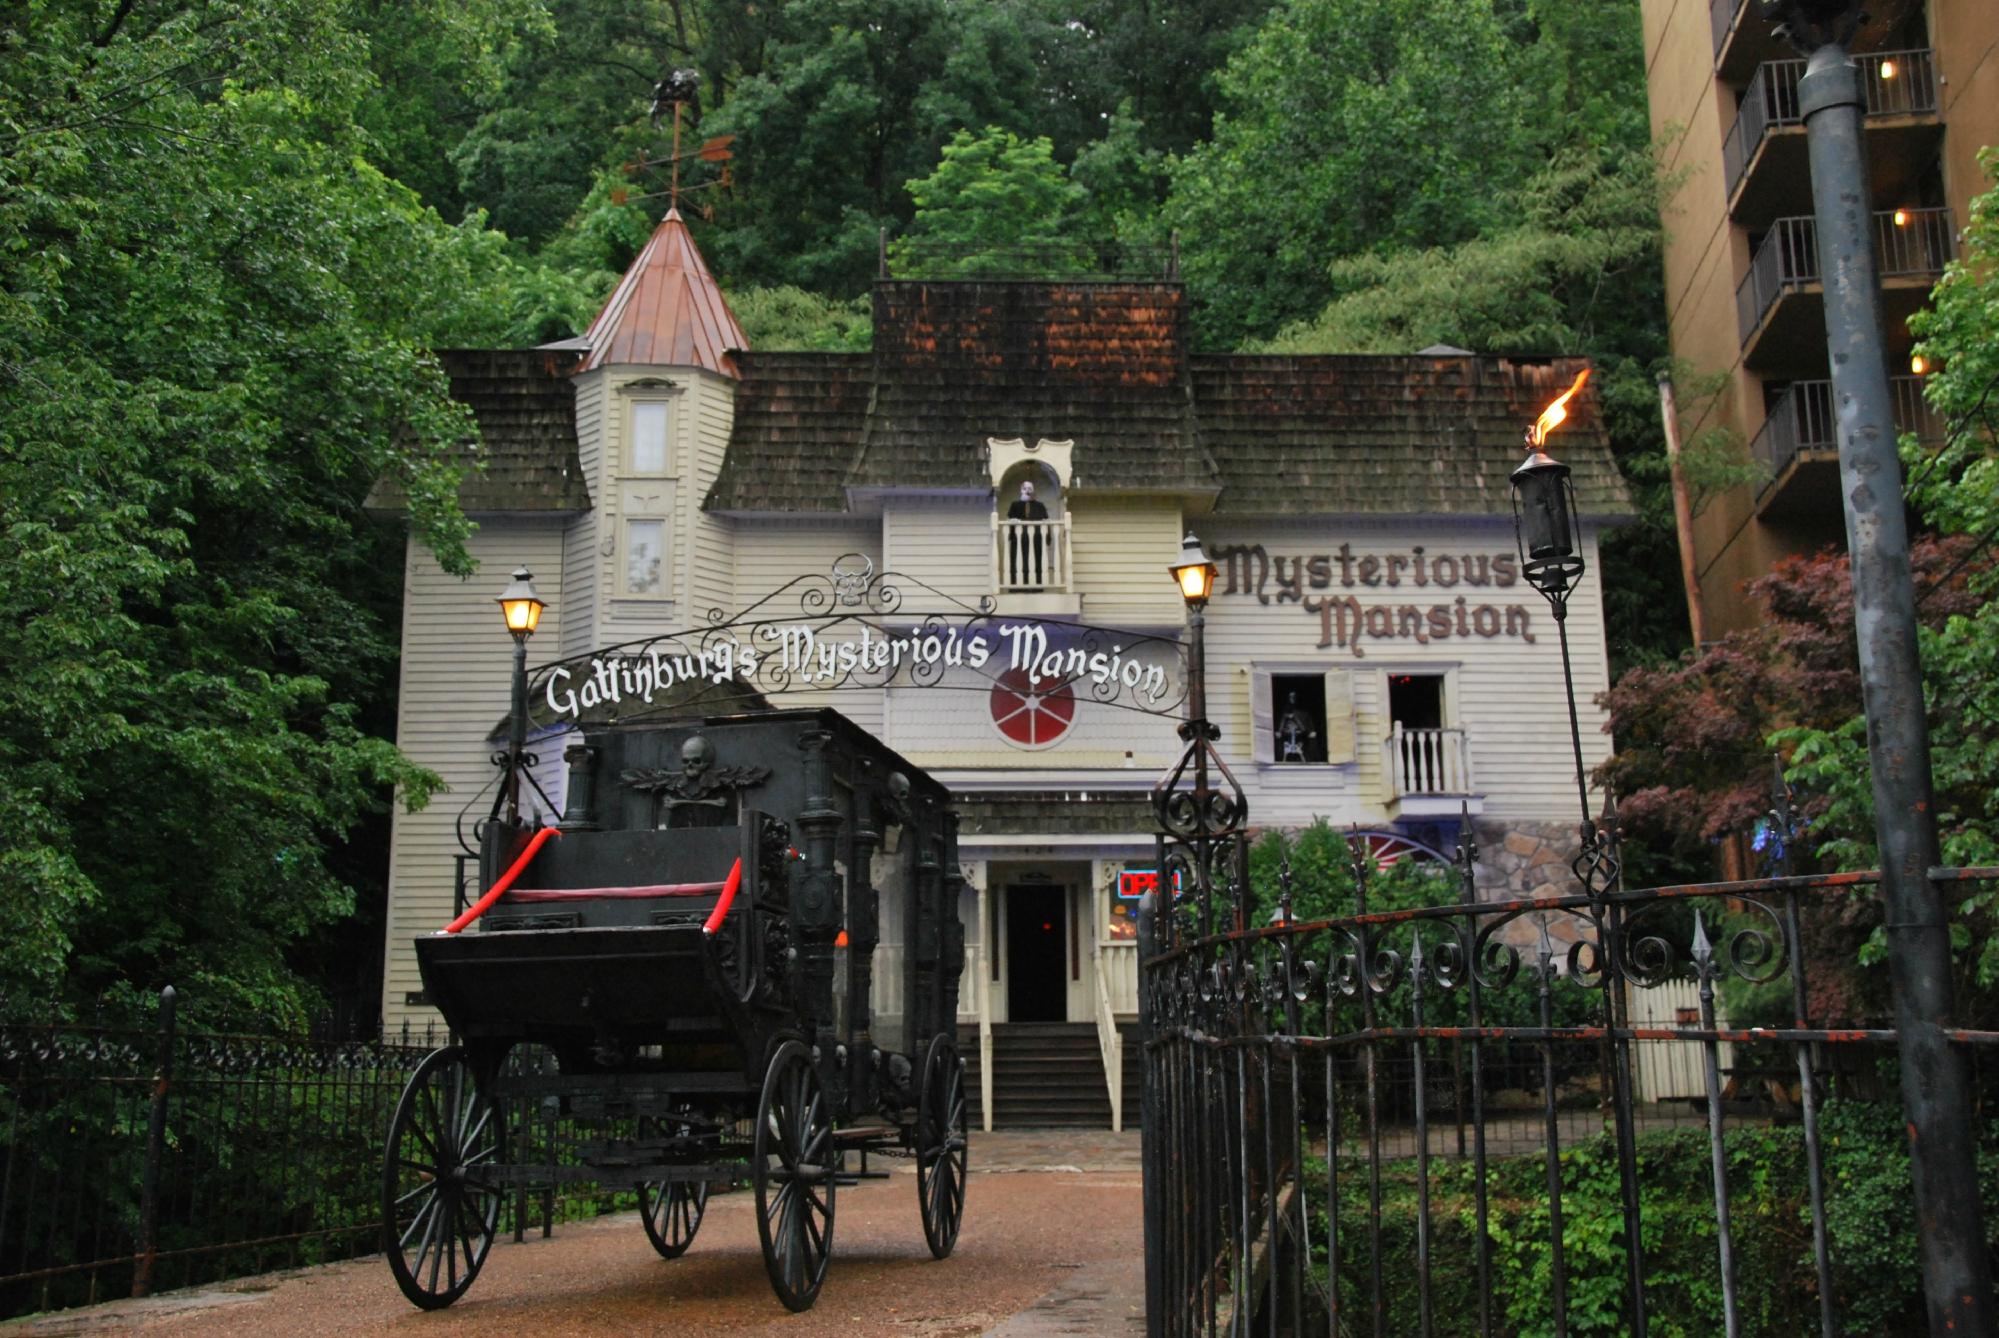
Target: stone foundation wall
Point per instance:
(1525, 859)
(1528, 859)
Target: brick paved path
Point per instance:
(1043, 1252)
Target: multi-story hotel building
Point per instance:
(1742, 282)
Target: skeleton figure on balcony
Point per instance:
(1294, 727)
(1023, 549)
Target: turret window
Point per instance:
(645, 557)
(649, 426)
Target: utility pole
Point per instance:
(1683, 514)
(1936, 1098)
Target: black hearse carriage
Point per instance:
(742, 948)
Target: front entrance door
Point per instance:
(1037, 987)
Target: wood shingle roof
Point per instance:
(1104, 364)
(1416, 435)
(526, 411)
(1107, 366)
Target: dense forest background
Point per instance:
(230, 232)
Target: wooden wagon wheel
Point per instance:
(671, 1211)
(439, 1205)
(941, 1146)
(793, 1162)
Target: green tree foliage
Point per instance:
(435, 64)
(993, 197)
(1344, 129)
(839, 104)
(791, 318)
(573, 104)
(1549, 275)
(214, 317)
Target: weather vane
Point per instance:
(679, 94)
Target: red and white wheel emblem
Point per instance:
(1031, 714)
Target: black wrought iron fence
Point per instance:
(1457, 1119)
(139, 1153)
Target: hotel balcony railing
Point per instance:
(1427, 762)
(1802, 421)
(1031, 556)
(1895, 83)
(1722, 16)
(1908, 244)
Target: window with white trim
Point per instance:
(645, 556)
(649, 452)
(1301, 715)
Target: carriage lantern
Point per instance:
(521, 605)
(1194, 573)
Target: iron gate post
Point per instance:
(156, 1138)
(1935, 1095)
(1152, 1122)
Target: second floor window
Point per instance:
(649, 438)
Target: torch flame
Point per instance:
(1555, 414)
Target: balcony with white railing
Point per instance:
(1428, 772)
(1764, 162)
(1032, 565)
(1798, 446)
(1779, 308)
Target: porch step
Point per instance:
(1048, 1074)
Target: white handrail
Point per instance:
(1427, 761)
(985, 1040)
(1031, 555)
(1110, 1044)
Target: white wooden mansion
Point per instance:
(1374, 657)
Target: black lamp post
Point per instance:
(1198, 826)
(1196, 817)
(1194, 573)
(1548, 533)
(521, 607)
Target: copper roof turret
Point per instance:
(667, 311)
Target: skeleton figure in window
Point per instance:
(1023, 549)
(699, 794)
(1294, 728)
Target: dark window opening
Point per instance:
(1416, 701)
(1298, 717)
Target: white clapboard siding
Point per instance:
(581, 597)
(711, 579)
(1121, 549)
(1505, 692)
(945, 542)
(770, 554)
(456, 686)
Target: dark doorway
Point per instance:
(1036, 954)
(1416, 701)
